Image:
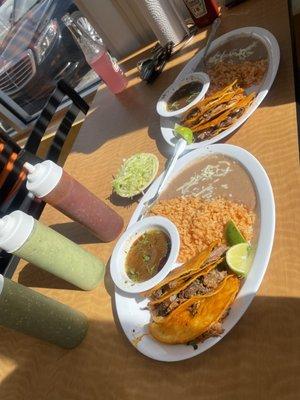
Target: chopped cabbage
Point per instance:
(135, 174)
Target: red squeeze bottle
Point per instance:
(203, 12)
(53, 185)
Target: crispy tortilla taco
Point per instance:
(198, 317)
(217, 112)
(182, 274)
(199, 279)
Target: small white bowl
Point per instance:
(161, 106)
(118, 258)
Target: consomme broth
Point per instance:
(184, 96)
(147, 255)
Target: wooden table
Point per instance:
(259, 359)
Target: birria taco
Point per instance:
(193, 299)
(197, 318)
(197, 276)
(217, 112)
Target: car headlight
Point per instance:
(46, 40)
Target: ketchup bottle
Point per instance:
(203, 12)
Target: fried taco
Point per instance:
(198, 276)
(217, 112)
(182, 273)
(197, 318)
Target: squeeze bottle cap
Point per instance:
(15, 229)
(42, 178)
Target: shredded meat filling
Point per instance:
(202, 285)
(162, 290)
(215, 330)
(214, 256)
(210, 132)
(193, 309)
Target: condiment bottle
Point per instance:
(50, 183)
(29, 239)
(97, 56)
(34, 314)
(203, 12)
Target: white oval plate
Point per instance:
(271, 44)
(131, 309)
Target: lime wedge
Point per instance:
(184, 132)
(233, 235)
(238, 260)
(135, 174)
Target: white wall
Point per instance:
(111, 25)
(181, 7)
(121, 24)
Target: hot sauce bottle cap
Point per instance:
(42, 178)
(15, 229)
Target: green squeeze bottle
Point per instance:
(34, 314)
(40, 245)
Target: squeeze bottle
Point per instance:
(34, 314)
(31, 240)
(52, 184)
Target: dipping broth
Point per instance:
(184, 96)
(147, 255)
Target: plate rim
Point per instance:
(265, 241)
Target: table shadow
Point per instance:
(115, 108)
(33, 276)
(76, 232)
(119, 201)
(247, 363)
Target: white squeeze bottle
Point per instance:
(40, 245)
(49, 182)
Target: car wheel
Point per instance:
(84, 24)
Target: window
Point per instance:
(36, 50)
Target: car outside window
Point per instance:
(37, 50)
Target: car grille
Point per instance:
(16, 73)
